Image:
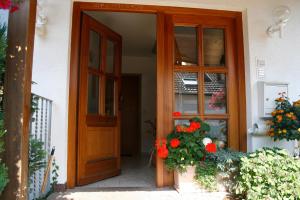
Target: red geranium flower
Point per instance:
(5, 4)
(174, 143)
(162, 152)
(190, 129)
(195, 125)
(161, 143)
(211, 148)
(14, 8)
(176, 114)
(179, 128)
(161, 147)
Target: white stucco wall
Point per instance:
(51, 57)
(3, 16)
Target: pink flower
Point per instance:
(217, 100)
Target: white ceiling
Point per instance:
(138, 30)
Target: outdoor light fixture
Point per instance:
(281, 16)
(41, 18)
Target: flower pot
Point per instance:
(185, 182)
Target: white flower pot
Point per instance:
(185, 182)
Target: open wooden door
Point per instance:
(98, 155)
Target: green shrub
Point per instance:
(3, 46)
(206, 175)
(222, 166)
(37, 155)
(3, 169)
(227, 162)
(269, 174)
(3, 177)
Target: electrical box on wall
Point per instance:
(267, 93)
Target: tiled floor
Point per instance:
(133, 194)
(137, 182)
(135, 173)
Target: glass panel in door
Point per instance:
(215, 93)
(185, 46)
(94, 50)
(93, 94)
(186, 92)
(110, 57)
(218, 131)
(109, 97)
(214, 47)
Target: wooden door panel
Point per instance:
(103, 146)
(98, 130)
(107, 167)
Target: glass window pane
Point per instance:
(93, 94)
(94, 50)
(110, 57)
(215, 93)
(109, 97)
(185, 46)
(186, 92)
(182, 122)
(218, 131)
(214, 47)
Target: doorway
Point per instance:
(131, 115)
(190, 73)
(119, 89)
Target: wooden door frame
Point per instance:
(164, 109)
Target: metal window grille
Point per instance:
(40, 128)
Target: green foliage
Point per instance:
(223, 166)
(37, 155)
(227, 162)
(190, 150)
(3, 46)
(269, 174)
(296, 106)
(3, 176)
(284, 123)
(34, 104)
(206, 175)
(3, 169)
(54, 173)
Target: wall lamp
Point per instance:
(281, 16)
(41, 18)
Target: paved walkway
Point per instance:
(137, 182)
(133, 194)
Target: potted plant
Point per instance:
(182, 149)
(284, 123)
